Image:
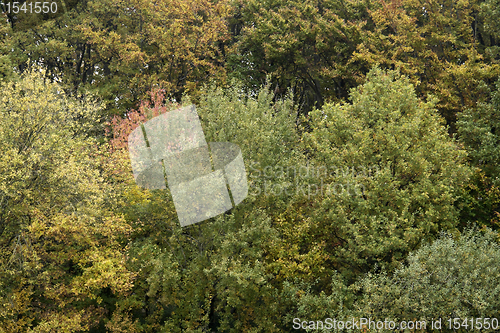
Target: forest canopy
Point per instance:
(370, 136)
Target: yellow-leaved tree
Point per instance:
(62, 249)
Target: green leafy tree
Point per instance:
(433, 43)
(303, 45)
(393, 174)
(121, 50)
(454, 277)
(487, 30)
(218, 274)
(479, 131)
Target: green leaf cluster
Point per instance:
(454, 277)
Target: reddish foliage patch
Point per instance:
(119, 128)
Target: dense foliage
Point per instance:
(370, 136)
(62, 246)
(450, 278)
(403, 170)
